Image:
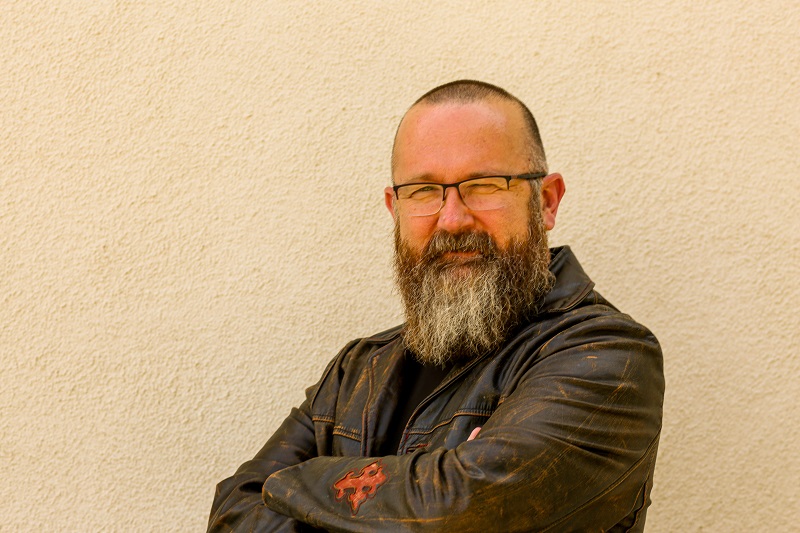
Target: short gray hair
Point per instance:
(465, 91)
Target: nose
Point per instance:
(454, 215)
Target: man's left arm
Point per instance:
(573, 444)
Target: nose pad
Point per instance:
(454, 214)
(453, 200)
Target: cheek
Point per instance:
(416, 231)
(503, 229)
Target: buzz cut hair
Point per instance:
(467, 91)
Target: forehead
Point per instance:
(453, 139)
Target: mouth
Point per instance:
(459, 260)
(461, 255)
(454, 250)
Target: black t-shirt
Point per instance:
(417, 383)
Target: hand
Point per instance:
(473, 434)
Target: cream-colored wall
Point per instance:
(191, 226)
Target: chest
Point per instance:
(358, 417)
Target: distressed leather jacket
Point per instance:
(569, 411)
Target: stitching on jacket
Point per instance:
(368, 403)
(637, 512)
(344, 432)
(323, 418)
(646, 494)
(462, 412)
(645, 458)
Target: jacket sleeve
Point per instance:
(572, 448)
(238, 501)
(238, 504)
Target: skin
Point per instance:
(449, 142)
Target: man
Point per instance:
(514, 398)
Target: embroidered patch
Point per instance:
(363, 485)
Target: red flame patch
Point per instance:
(363, 485)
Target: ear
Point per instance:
(389, 198)
(552, 191)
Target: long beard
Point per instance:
(460, 308)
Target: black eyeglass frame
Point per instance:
(445, 186)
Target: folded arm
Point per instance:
(238, 503)
(572, 447)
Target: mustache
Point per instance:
(443, 242)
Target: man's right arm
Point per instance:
(238, 504)
(238, 501)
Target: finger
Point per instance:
(473, 434)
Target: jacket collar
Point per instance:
(572, 284)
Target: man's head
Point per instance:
(468, 274)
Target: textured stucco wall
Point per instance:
(191, 226)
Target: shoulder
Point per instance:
(362, 347)
(384, 336)
(359, 350)
(578, 333)
(575, 311)
(355, 357)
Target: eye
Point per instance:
(420, 192)
(483, 186)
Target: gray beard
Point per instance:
(458, 308)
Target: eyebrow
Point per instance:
(428, 178)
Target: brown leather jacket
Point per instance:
(570, 411)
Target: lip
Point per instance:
(460, 255)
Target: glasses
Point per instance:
(478, 194)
